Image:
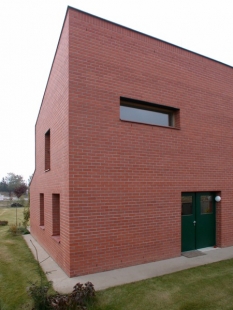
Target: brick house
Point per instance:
(133, 144)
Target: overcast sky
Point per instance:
(29, 33)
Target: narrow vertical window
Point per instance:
(56, 214)
(47, 150)
(41, 209)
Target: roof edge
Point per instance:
(52, 63)
(89, 14)
(147, 35)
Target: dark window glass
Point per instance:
(147, 113)
(186, 205)
(56, 214)
(41, 209)
(144, 116)
(206, 204)
(47, 150)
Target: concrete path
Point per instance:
(102, 280)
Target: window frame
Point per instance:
(47, 151)
(42, 217)
(171, 112)
(56, 215)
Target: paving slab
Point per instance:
(102, 280)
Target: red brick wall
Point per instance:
(124, 180)
(53, 115)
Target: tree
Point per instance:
(3, 186)
(29, 179)
(14, 181)
(20, 190)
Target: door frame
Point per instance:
(187, 230)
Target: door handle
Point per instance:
(194, 223)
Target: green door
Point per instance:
(197, 220)
(188, 217)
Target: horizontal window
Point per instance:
(147, 113)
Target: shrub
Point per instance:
(3, 223)
(39, 294)
(13, 229)
(26, 217)
(18, 230)
(22, 230)
(16, 204)
(81, 295)
(77, 300)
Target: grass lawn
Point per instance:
(205, 287)
(4, 204)
(17, 265)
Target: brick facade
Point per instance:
(119, 182)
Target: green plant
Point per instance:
(39, 294)
(18, 230)
(26, 216)
(21, 230)
(13, 229)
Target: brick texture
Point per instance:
(54, 115)
(120, 183)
